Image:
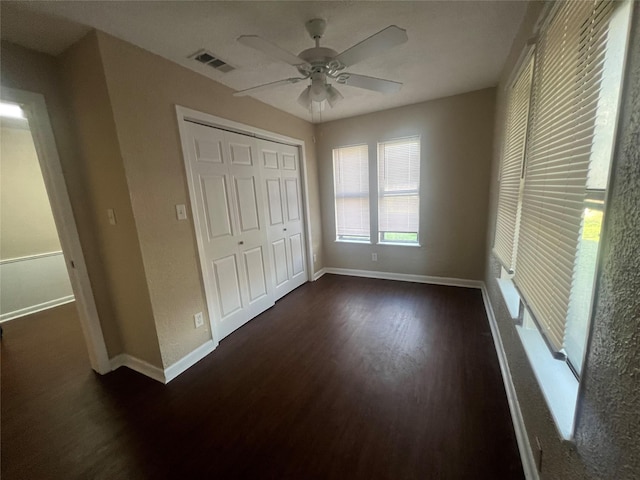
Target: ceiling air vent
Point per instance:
(208, 58)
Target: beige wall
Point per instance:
(456, 147)
(26, 222)
(106, 188)
(31, 71)
(119, 145)
(143, 91)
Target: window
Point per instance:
(351, 189)
(576, 87)
(399, 191)
(511, 171)
(553, 233)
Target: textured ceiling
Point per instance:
(453, 47)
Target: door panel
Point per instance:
(241, 153)
(293, 199)
(247, 204)
(297, 258)
(283, 207)
(274, 201)
(280, 261)
(228, 283)
(269, 159)
(254, 263)
(208, 150)
(289, 161)
(227, 188)
(216, 206)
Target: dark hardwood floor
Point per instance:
(345, 378)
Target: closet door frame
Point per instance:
(184, 115)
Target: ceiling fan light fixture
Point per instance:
(305, 98)
(321, 63)
(333, 95)
(318, 90)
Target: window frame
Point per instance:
(399, 193)
(355, 239)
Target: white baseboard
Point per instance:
(405, 277)
(5, 317)
(140, 366)
(169, 373)
(319, 273)
(526, 454)
(188, 360)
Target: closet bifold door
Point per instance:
(283, 209)
(225, 177)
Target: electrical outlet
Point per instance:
(198, 319)
(374, 257)
(315, 258)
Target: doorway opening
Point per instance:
(41, 259)
(33, 272)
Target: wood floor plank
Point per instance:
(345, 378)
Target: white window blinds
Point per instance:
(567, 79)
(517, 116)
(399, 190)
(351, 187)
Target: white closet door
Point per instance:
(283, 213)
(226, 180)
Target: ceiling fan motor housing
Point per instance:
(321, 59)
(316, 27)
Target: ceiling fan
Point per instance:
(321, 64)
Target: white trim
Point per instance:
(35, 110)
(526, 454)
(556, 380)
(319, 273)
(405, 277)
(169, 373)
(56, 302)
(30, 257)
(184, 114)
(140, 366)
(193, 201)
(188, 360)
(511, 296)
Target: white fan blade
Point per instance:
(389, 37)
(259, 88)
(271, 49)
(369, 83)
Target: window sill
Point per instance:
(400, 244)
(360, 242)
(511, 297)
(559, 385)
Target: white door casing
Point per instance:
(284, 215)
(227, 190)
(35, 109)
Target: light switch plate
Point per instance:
(111, 214)
(181, 212)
